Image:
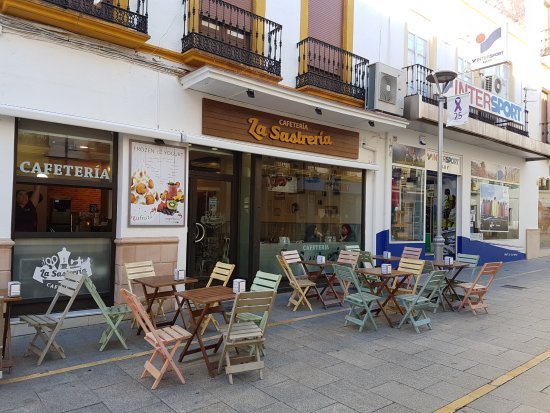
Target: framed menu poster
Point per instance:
(157, 180)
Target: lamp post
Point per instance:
(442, 77)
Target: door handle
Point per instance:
(199, 238)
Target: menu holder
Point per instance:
(14, 289)
(239, 285)
(320, 259)
(448, 260)
(179, 274)
(386, 255)
(385, 269)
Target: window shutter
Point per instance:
(325, 19)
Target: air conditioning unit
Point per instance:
(386, 89)
(495, 84)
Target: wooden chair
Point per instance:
(416, 304)
(143, 269)
(413, 267)
(475, 291)
(426, 272)
(1, 332)
(243, 335)
(300, 287)
(294, 261)
(472, 260)
(263, 281)
(347, 259)
(159, 339)
(221, 273)
(365, 259)
(47, 326)
(361, 303)
(411, 252)
(113, 316)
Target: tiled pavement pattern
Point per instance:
(318, 365)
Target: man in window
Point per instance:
(25, 210)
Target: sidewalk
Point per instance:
(315, 364)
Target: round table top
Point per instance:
(6, 299)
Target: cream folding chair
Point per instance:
(243, 335)
(47, 325)
(414, 267)
(221, 273)
(347, 259)
(300, 287)
(294, 261)
(411, 252)
(475, 291)
(159, 339)
(143, 269)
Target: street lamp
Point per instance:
(442, 77)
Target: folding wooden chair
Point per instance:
(221, 273)
(347, 259)
(411, 252)
(475, 291)
(361, 303)
(47, 326)
(238, 335)
(300, 271)
(263, 281)
(413, 267)
(416, 304)
(1, 332)
(143, 269)
(113, 316)
(472, 260)
(159, 339)
(300, 287)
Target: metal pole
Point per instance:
(439, 241)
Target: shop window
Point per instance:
(407, 204)
(316, 209)
(494, 207)
(63, 211)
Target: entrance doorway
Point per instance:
(449, 208)
(210, 226)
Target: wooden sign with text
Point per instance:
(247, 125)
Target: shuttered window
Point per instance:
(325, 19)
(243, 4)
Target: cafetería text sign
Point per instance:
(79, 171)
(251, 126)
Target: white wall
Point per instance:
(165, 23)
(7, 134)
(287, 13)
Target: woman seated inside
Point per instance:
(312, 234)
(347, 234)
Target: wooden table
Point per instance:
(6, 345)
(210, 299)
(386, 260)
(458, 266)
(384, 285)
(331, 278)
(156, 283)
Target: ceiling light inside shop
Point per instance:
(214, 149)
(41, 175)
(83, 147)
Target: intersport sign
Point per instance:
(489, 102)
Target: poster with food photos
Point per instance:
(157, 178)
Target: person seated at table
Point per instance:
(347, 234)
(312, 234)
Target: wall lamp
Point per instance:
(371, 123)
(318, 111)
(250, 93)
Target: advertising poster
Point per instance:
(408, 155)
(496, 172)
(157, 178)
(494, 206)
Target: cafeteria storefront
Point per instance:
(270, 193)
(64, 211)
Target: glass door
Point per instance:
(210, 238)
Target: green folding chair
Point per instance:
(416, 304)
(263, 281)
(113, 316)
(472, 261)
(361, 303)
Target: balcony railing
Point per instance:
(330, 68)
(134, 17)
(545, 48)
(227, 31)
(416, 84)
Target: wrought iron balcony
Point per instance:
(221, 29)
(544, 132)
(416, 84)
(328, 67)
(545, 48)
(132, 16)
